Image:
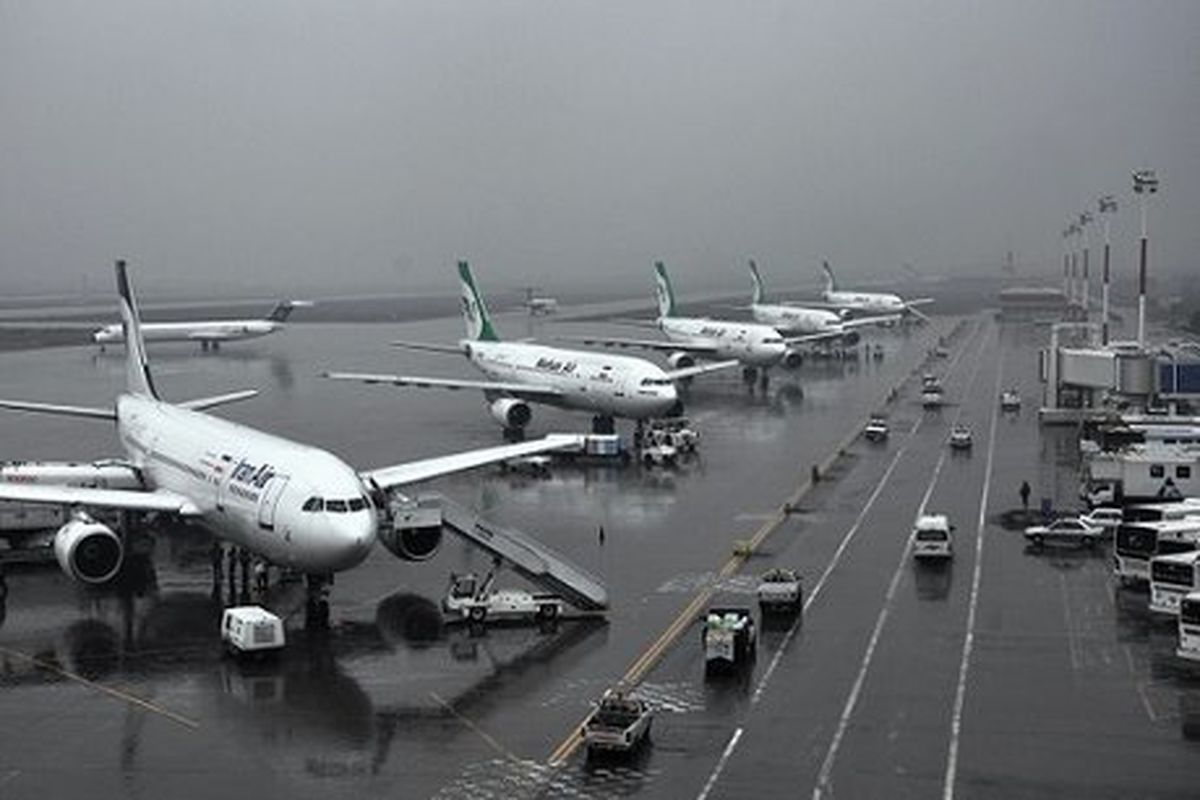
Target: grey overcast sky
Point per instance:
(236, 145)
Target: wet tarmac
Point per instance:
(1006, 673)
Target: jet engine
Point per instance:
(792, 359)
(511, 412)
(851, 338)
(679, 360)
(416, 543)
(88, 550)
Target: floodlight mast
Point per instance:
(1108, 207)
(1145, 183)
(1084, 219)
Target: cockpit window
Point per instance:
(313, 504)
(336, 506)
(358, 504)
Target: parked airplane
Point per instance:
(755, 346)
(539, 304)
(869, 302)
(293, 504)
(807, 324)
(520, 373)
(209, 333)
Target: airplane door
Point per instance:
(269, 500)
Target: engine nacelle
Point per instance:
(511, 412)
(792, 359)
(851, 338)
(412, 543)
(88, 550)
(679, 360)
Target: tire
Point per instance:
(1038, 541)
(547, 611)
(477, 614)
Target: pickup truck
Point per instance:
(729, 638)
(779, 590)
(468, 598)
(619, 724)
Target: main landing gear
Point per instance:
(316, 607)
(751, 374)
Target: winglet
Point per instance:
(663, 291)
(137, 368)
(758, 295)
(475, 313)
(830, 282)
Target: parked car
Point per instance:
(1105, 517)
(1067, 531)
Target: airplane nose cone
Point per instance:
(347, 540)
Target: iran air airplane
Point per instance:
(755, 346)
(209, 333)
(802, 324)
(868, 302)
(520, 373)
(293, 504)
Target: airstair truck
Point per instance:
(729, 639)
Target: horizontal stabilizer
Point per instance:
(66, 411)
(416, 471)
(701, 369)
(524, 389)
(201, 403)
(431, 347)
(124, 499)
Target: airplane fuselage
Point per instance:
(252, 488)
(796, 319)
(753, 344)
(873, 302)
(214, 331)
(611, 385)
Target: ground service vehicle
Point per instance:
(250, 630)
(779, 590)
(620, 723)
(1067, 531)
(931, 537)
(1171, 578)
(1189, 627)
(468, 598)
(729, 638)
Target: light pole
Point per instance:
(1108, 207)
(1084, 219)
(1067, 285)
(1145, 183)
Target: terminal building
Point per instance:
(1032, 304)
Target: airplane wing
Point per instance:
(66, 411)
(663, 345)
(859, 322)
(125, 499)
(416, 471)
(216, 335)
(920, 301)
(701, 369)
(525, 390)
(201, 403)
(431, 347)
(814, 337)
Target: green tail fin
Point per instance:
(758, 295)
(662, 289)
(475, 313)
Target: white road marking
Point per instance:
(964, 664)
(716, 773)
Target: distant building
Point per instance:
(1032, 304)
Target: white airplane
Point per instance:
(869, 302)
(520, 373)
(807, 324)
(209, 333)
(293, 504)
(539, 304)
(755, 346)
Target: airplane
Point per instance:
(209, 333)
(869, 302)
(520, 373)
(807, 324)
(755, 346)
(537, 304)
(293, 504)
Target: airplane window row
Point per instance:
(656, 382)
(335, 506)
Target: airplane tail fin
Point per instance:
(830, 281)
(663, 291)
(282, 310)
(475, 313)
(137, 368)
(758, 295)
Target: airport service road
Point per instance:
(1016, 675)
(130, 684)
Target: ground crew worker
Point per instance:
(1025, 495)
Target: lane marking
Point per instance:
(123, 696)
(964, 664)
(1072, 643)
(712, 779)
(825, 775)
(488, 739)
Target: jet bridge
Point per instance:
(527, 556)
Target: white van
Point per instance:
(931, 537)
(251, 629)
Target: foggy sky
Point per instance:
(241, 145)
